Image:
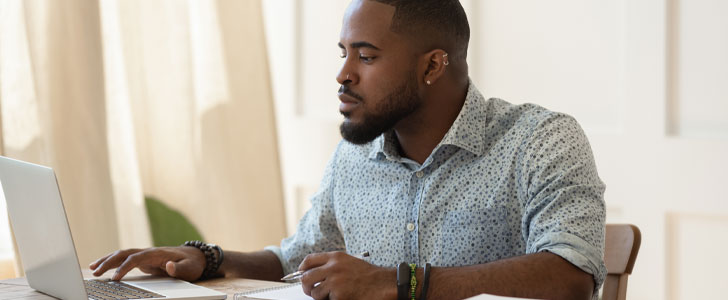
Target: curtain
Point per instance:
(132, 98)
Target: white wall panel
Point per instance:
(567, 55)
(320, 57)
(304, 60)
(700, 66)
(696, 245)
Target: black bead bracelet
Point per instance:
(213, 257)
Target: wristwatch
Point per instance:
(403, 281)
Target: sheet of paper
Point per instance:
(295, 292)
(292, 292)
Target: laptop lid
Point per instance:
(45, 243)
(41, 229)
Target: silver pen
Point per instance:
(298, 274)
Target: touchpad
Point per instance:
(159, 285)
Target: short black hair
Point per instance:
(444, 21)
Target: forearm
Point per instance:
(262, 265)
(540, 275)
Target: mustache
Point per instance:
(344, 89)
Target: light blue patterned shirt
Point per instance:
(506, 180)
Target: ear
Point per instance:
(436, 64)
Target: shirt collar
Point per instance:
(385, 146)
(466, 132)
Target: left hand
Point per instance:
(342, 276)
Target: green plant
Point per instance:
(169, 227)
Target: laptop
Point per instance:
(46, 246)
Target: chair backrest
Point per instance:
(622, 243)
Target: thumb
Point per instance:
(183, 269)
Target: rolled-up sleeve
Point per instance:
(564, 209)
(318, 230)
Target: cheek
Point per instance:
(375, 87)
(380, 80)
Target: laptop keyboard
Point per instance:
(107, 289)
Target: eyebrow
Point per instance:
(362, 44)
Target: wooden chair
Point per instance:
(621, 246)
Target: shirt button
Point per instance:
(410, 226)
(419, 174)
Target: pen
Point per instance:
(298, 274)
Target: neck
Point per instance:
(421, 132)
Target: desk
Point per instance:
(17, 288)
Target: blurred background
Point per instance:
(219, 116)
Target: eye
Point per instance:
(366, 59)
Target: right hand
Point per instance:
(183, 262)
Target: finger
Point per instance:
(137, 259)
(320, 291)
(114, 261)
(314, 260)
(96, 263)
(313, 277)
(184, 269)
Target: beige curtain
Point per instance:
(132, 98)
(53, 109)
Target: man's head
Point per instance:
(432, 24)
(394, 51)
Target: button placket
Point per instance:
(411, 227)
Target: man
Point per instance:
(499, 198)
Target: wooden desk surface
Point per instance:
(17, 288)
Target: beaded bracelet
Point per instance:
(213, 257)
(413, 281)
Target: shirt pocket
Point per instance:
(475, 236)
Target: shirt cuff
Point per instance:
(576, 251)
(277, 251)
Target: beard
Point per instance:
(394, 107)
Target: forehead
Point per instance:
(369, 21)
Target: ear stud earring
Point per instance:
(444, 57)
(429, 82)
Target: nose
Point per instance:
(347, 75)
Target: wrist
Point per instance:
(213, 258)
(403, 287)
(390, 288)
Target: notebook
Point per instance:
(288, 292)
(295, 292)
